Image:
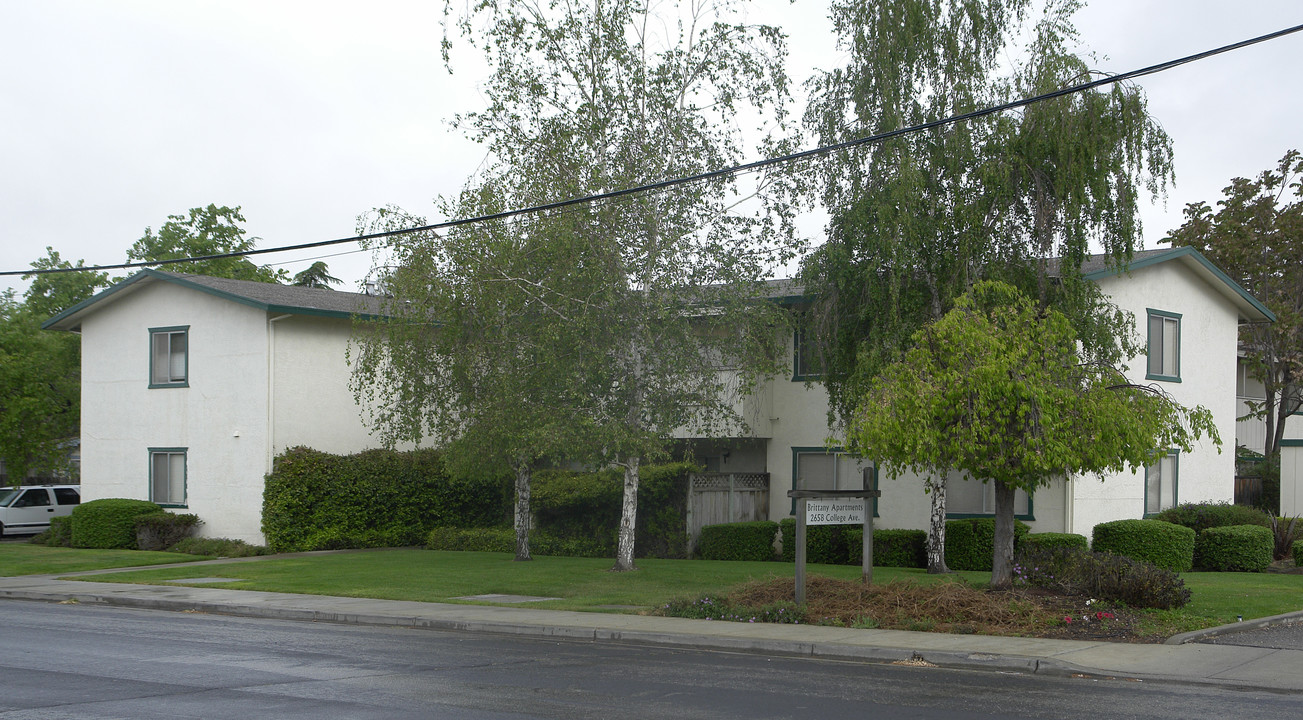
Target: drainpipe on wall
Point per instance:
(271, 388)
(1068, 488)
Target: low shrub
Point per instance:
(826, 544)
(109, 523)
(218, 547)
(1055, 540)
(1100, 575)
(1234, 548)
(1201, 516)
(1286, 532)
(738, 541)
(891, 548)
(58, 535)
(717, 608)
(162, 530)
(542, 542)
(477, 539)
(1297, 551)
(970, 542)
(1161, 543)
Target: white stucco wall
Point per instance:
(1208, 335)
(220, 418)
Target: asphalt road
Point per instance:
(1280, 637)
(78, 661)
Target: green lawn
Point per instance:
(25, 559)
(582, 583)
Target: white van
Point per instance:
(27, 510)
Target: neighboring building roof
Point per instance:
(270, 297)
(1250, 308)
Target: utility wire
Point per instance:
(711, 175)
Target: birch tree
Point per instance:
(997, 389)
(591, 97)
(918, 219)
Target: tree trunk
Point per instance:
(628, 518)
(523, 475)
(936, 537)
(1002, 562)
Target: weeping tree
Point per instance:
(920, 218)
(998, 389)
(589, 98)
(481, 345)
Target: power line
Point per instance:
(711, 175)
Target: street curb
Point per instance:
(1254, 624)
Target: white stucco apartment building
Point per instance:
(191, 385)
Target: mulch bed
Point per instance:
(952, 607)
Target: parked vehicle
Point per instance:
(26, 510)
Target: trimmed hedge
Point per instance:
(970, 542)
(843, 545)
(58, 535)
(1234, 548)
(1201, 516)
(1164, 544)
(109, 523)
(218, 547)
(1297, 551)
(825, 544)
(1105, 576)
(1048, 540)
(478, 539)
(738, 541)
(377, 498)
(162, 530)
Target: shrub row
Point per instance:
(109, 523)
(1101, 575)
(738, 541)
(1157, 542)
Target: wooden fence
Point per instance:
(715, 498)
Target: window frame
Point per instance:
(802, 371)
(185, 476)
(1028, 516)
(183, 330)
(837, 453)
(1175, 454)
(1165, 316)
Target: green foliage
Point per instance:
(1256, 237)
(162, 530)
(1153, 541)
(378, 498)
(1285, 531)
(59, 533)
(51, 293)
(716, 608)
(1234, 548)
(970, 542)
(843, 545)
(1100, 575)
(577, 504)
(475, 539)
(1297, 551)
(1201, 516)
(108, 523)
(825, 544)
(738, 541)
(40, 393)
(205, 231)
(218, 547)
(1046, 540)
(315, 275)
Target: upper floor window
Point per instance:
(1164, 346)
(806, 364)
(169, 357)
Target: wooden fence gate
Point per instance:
(715, 498)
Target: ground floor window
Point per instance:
(167, 476)
(816, 468)
(1160, 483)
(973, 498)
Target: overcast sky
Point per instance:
(114, 115)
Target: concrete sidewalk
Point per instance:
(1227, 665)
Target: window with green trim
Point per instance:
(817, 468)
(805, 357)
(1164, 346)
(973, 498)
(169, 357)
(167, 476)
(1161, 483)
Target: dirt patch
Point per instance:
(953, 607)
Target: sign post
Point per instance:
(834, 507)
